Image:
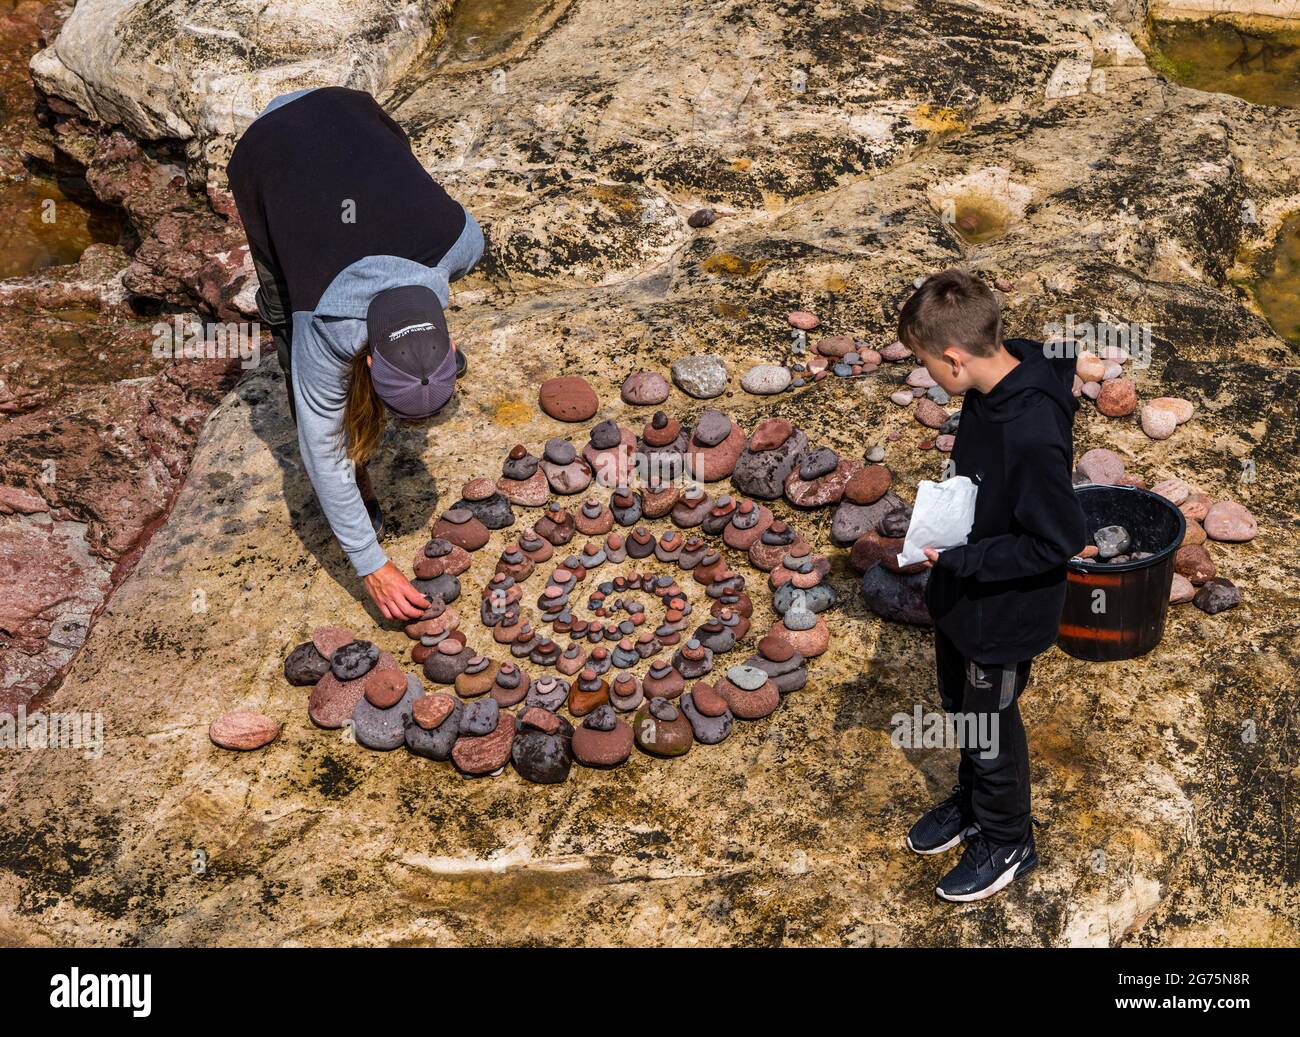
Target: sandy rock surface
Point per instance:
(1163, 823)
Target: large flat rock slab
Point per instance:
(1163, 783)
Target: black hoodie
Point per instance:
(999, 598)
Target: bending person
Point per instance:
(355, 246)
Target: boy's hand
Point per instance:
(931, 556)
(393, 593)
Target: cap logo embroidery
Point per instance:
(422, 326)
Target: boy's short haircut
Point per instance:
(951, 309)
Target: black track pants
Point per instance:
(994, 789)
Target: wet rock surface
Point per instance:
(819, 776)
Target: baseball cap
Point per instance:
(413, 367)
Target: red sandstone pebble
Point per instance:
(429, 711)
(868, 485)
(568, 398)
(242, 730)
(329, 640)
(1229, 521)
(1194, 562)
(769, 434)
(1118, 398)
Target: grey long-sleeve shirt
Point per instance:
(325, 342)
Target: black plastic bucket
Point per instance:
(1118, 611)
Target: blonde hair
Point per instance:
(364, 417)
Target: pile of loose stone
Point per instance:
(1195, 575)
(1100, 377)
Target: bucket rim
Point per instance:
(1084, 566)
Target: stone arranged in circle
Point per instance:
(479, 755)
(645, 389)
(548, 693)
(602, 740)
(305, 665)
(429, 711)
(702, 376)
(626, 693)
(788, 675)
(385, 684)
(568, 398)
(662, 431)
(762, 473)
(824, 489)
(663, 681)
(556, 526)
(748, 522)
(328, 640)
(897, 598)
(660, 729)
(542, 751)
(449, 562)
(867, 485)
(756, 698)
(479, 718)
(589, 692)
(693, 660)
(462, 528)
(707, 728)
(494, 511)
(434, 727)
(354, 660)
(625, 505)
(476, 678)
(243, 730)
(510, 685)
(691, 508)
(446, 662)
(852, 521)
(560, 451)
(332, 701)
(385, 729)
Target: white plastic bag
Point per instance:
(941, 517)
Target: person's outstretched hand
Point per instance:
(931, 556)
(394, 594)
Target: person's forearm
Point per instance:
(1005, 557)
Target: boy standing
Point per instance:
(997, 601)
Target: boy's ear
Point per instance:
(954, 358)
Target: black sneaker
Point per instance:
(985, 869)
(941, 828)
(376, 517)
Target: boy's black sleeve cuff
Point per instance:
(951, 559)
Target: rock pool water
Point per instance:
(44, 221)
(1263, 68)
(1277, 284)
